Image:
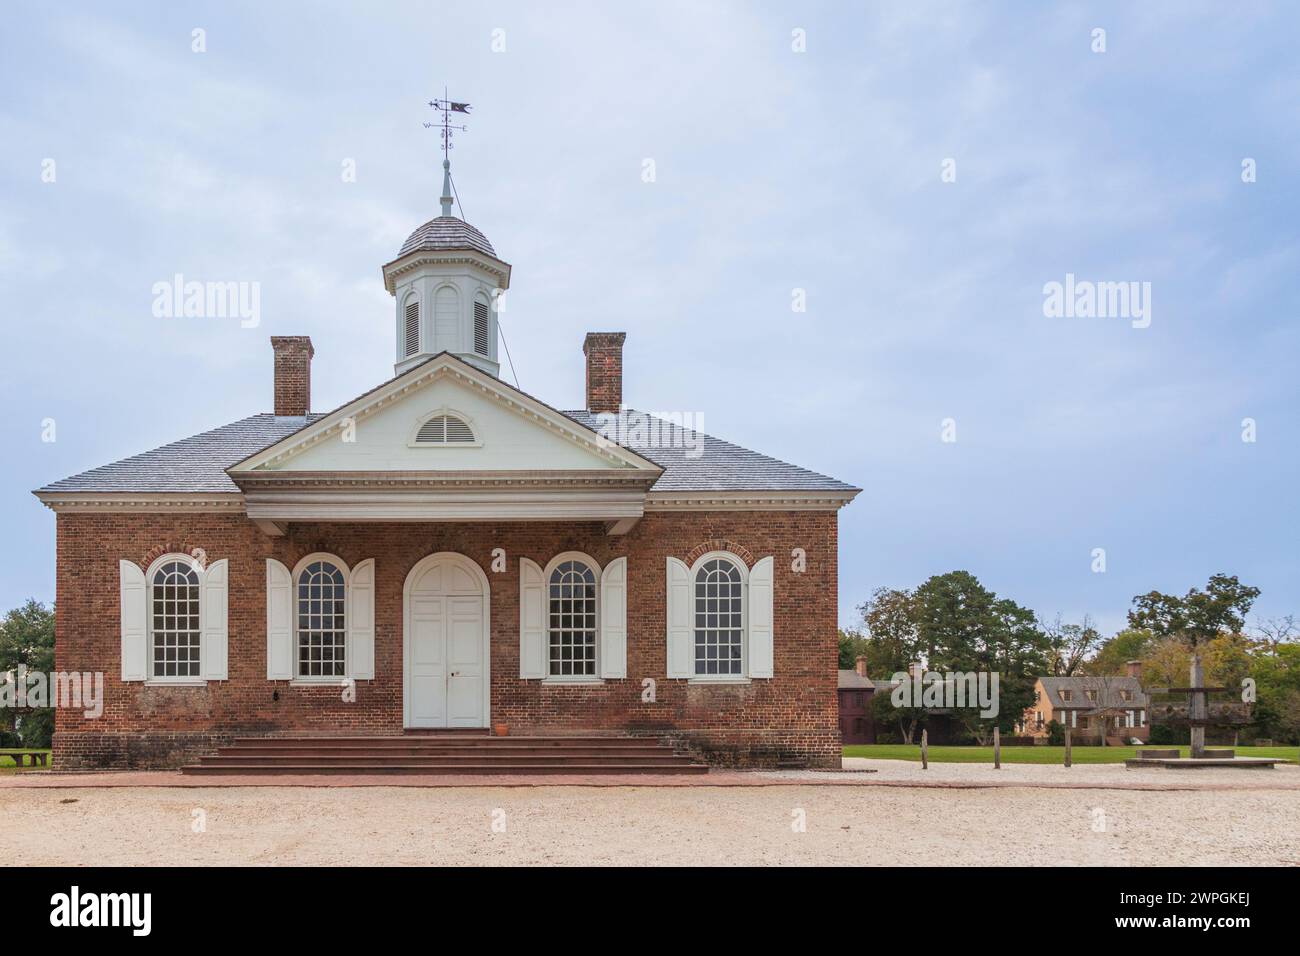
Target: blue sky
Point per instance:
(775, 170)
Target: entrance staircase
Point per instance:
(455, 752)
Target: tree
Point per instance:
(27, 639)
(1198, 616)
(1069, 645)
(1128, 645)
(1276, 631)
(964, 627)
(889, 618)
(852, 646)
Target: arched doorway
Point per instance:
(445, 659)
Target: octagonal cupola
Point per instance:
(446, 283)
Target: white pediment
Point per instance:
(377, 433)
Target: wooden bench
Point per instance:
(18, 756)
(1157, 754)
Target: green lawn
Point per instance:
(1035, 754)
(7, 762)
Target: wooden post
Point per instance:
(925, 750)
(1197, 707)
(1067, 746)
(997, 749)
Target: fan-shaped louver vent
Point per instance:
(444, 430)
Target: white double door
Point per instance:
(446, 644)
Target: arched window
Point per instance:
(411, 328)
(175, 635)
(572, 588)
(719, 618)
(482, 325)
(322, 629)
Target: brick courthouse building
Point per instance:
(446, 551)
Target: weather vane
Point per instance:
(446, 107)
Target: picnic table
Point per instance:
(18, 756)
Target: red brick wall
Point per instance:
(791, 716)
(293, 354)
(604, 352)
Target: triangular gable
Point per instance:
(376, 431)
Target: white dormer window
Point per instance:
(445, 428)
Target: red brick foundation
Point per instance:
(790, 717)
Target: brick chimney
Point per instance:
(292, 374)
(1133, 668)
(860, 665)
(604, 351)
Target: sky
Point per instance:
(917, 173)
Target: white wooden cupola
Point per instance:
(446, 283)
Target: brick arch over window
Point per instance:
(719, 544)
(172, 547)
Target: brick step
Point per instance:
(495, 768)
(457, 753)
(451, 742)
(362, 760)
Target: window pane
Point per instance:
(572, 634)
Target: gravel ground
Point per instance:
(894, 824)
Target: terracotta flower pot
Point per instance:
(502, 730)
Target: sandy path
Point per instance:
(641, 825)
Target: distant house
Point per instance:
(855, 694)
(1117, 708)
(857, 721)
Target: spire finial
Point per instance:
(446, 107)
(446, 187)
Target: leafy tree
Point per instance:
(965, 627)
(27, 638)
(852, 646)
(908, 719)
(1198, 616)
(1116, 651)
(889, 618)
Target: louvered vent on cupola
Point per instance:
(445, 430)
(481, 327)
(412, 331)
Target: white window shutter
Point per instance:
(613, 619)
(279, 621)
(216, 636)
(680, 645)
(760, 618)
(532, 620)
(361, 621)
(135, 618)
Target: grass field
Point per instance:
(1054, 755)
(7, 762)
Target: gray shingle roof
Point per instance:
(852, 680)
(1107, 689)
(198, 464)
(694, 461)
(447, 232)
